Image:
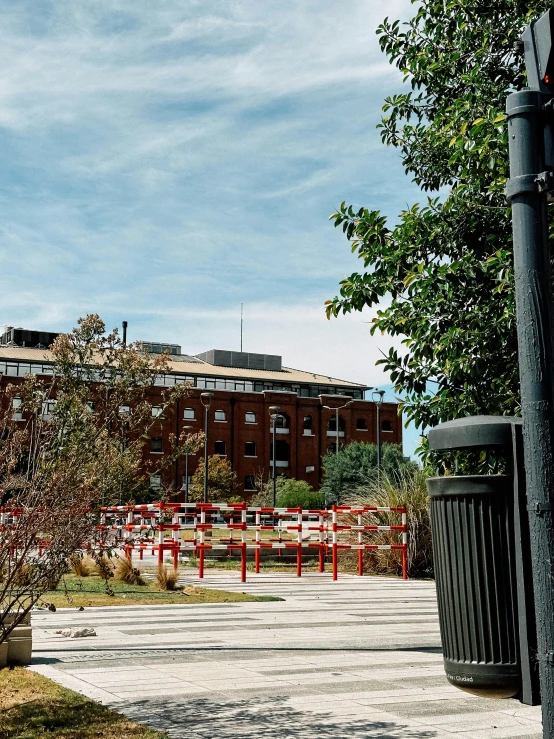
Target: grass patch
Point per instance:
(91, 591)
(32, 707)
(270, 565)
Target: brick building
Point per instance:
(244, 387)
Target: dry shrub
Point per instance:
(402, 488)
(104, 566)
(82, 566)
(125, 572)
(167, 578)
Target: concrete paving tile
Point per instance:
(332, 660)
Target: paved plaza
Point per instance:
(357, 658)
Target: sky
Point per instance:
(164, 162)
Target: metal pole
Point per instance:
(378, 436)
(337, 428)
(274, 466)
(186, 477)
(206, 455)
(534, 311)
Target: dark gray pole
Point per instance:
(186, 477)
(337, 428)
(206, 426)
(533, 290)
(274, 466)
(378, 435)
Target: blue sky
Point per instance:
(164, 162)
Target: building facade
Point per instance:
(244, 387)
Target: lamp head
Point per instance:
(274, 409)
(206, 399)
(377, 396)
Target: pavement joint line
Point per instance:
(374, 655)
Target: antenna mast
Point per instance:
(241, 326)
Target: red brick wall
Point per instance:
(305, 451)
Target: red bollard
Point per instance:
(299, 561)
(360, 562)
(321, 559)
(201, 563)
(243, 563)
(405, 563)
(257, 561)
(175, 557)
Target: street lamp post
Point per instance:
(206, 400)
(336, 409)
(377, 397)
(187, 429)
(274, 414)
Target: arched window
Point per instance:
(332, 424)
(282, 422)
(156, 445)
(361, 424)
(219, 448)
(250, 417)
(282, 453)
(386, 425)
(188, 414)
(220, 415)
(307, 425)
(250, 449)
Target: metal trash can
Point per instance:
(482, 563)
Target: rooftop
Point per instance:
(187, 365)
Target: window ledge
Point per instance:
(156, 452)
(251, 456)
(219, 421)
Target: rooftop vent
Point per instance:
(244, 360)
(25, 337)
(155, 347)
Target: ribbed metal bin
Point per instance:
(475, 570)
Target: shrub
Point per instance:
(403, 488)
(355, 463)
(291, 493)
(167, 578)
(82, 566)
(125, 572)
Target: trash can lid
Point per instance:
(473, 431)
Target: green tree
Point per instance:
(70, 443)
(447, 264)
(355, 464)
(222, 481)
(291, 493)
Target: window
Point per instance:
(307, 425)
(219, 448)
(156, 445)
(220, 416)
(188, 414)
(332, 424)
(47, 409)
(91, 406)
(185, 480)
(311, 468)
(124, 410)
(282, 453)
(361, 424)
(17, 409)
(386, 426)
(156, 411)
(250, 449)
(250, 417)
(282, 421)
(250, 483)
(156, 482)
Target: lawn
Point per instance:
(91, 591)
(33, 707)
